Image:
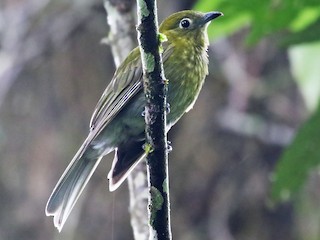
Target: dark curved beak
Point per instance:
(210, 16)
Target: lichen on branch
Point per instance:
(155, 89)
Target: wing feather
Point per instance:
(126, 83)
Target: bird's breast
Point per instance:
(185, 69)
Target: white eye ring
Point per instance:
(185, 23)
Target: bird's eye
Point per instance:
(185, 23)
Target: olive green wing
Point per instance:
(126, 83)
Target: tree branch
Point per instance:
(155, 88)
(122, 38)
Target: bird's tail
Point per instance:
(71, 184)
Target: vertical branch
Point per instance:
(122, 39)
(156, 140)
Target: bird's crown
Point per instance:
(187, 20)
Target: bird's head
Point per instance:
(188, 26)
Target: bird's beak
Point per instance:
(210, 16)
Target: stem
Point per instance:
(155, 89)
(122, 39)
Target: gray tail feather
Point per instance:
(70, 186)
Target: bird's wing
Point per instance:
(126, 83)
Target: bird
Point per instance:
(117, 124)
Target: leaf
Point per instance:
(305, 18)
(304, 63)
(227, 26)
(309, 34)
(298, 159)
(264, 17)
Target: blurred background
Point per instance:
(245, 160)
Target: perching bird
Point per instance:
(117, 123)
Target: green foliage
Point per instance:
(264, 17)
(297, 161)
(304, 62)
(303, 154)
(156, 204)
(292, 22)
(309, 34)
